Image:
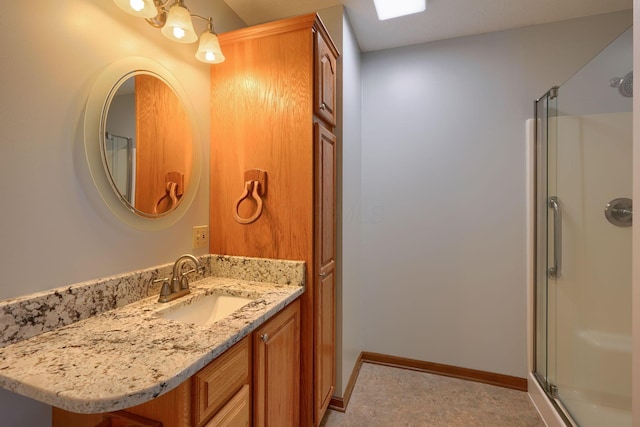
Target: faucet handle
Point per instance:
(163, 280)
(184, 282)
(166, 289)
(184, 273)
(198, 270)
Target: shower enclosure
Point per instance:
(582, 268)
(120, 153)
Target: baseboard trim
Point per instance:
(500, 380)
(340, 403)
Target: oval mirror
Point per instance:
(146, 144)
(140, 143)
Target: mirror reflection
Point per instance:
(147, 147)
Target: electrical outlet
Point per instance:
(200, 236)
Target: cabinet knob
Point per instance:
(264, 337)
(323, 274)
(323, 106)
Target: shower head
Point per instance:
(624, 84)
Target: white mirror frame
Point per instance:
(93, 130)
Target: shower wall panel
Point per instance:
(590, 300)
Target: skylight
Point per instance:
(388, 9)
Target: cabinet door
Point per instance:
(325, 283)
(277, 370)
(325, 92)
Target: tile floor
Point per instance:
(384, 396)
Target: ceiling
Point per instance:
(443, 19)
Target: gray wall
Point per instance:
(54, 230)
(353, 286)
(443, 180)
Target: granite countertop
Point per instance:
(129, 355)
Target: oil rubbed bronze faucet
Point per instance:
(179, 284)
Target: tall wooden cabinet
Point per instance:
(273, 108)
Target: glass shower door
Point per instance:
(583, 264)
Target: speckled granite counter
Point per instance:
(129, 355)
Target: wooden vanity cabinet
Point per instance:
(273, 107)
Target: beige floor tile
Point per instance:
(384, 396)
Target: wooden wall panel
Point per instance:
(164, 141)
(261, 119)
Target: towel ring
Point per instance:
(171, 194)
(253, 188)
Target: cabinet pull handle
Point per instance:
(323, 274)
(264, 337)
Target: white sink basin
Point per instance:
(205, 310)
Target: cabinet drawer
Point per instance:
(219, 381)
(125, 419)
(235, 413)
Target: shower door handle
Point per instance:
(554, 204)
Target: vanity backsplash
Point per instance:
(27, 316)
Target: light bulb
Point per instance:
(178, 33)
(140, 8)
(210, 56)
(137, 5)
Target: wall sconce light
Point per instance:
(209, 48)
(176, 24)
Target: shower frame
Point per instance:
(541, 127)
